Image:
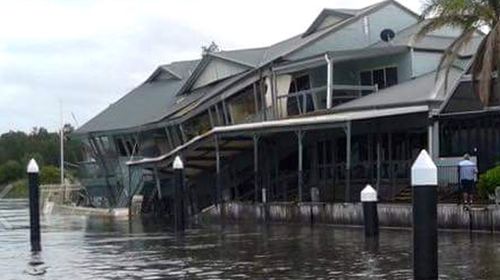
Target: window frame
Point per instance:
(384, 68)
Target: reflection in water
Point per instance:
(76, 247)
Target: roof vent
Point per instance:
(387, 35)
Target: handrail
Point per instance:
(334, 87)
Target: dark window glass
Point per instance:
(379, 78)
(366, 80)
(295, 105)
(391, 76)
(130, 146)
(121, 147)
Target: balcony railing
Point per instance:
(315, 99)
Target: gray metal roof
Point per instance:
(147, 103)
(423, 89)
(154, 101)
(406, 37)
(250, 57)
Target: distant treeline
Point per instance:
(17, 148)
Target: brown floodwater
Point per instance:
(78, 247)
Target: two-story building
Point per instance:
(349, 101)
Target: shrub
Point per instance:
(488, 181)
(10, 171)
(20, 190)
(49, 174)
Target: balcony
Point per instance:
(316, 100)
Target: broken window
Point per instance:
(121, 147)
(300, 103)
(242, 106)
(197, 125)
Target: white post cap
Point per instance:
(424, 171)
(178, 164)
(368, 194)
(32, 166)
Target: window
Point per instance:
(121, 147)
(383, 77)
(391, 76)
(242, 105)
(295, 105)
(197, 125)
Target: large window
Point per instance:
(295, 105)
(383, 77)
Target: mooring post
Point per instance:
(264, 204)
(33, 180)
(178, 166)
(424, 185)
(370, 212)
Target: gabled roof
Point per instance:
(248, 57)
(295, 43)
(325, 14)
(407, 37)
(156, 100)
(147, 103)
(240, 59)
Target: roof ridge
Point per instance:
(245, 49)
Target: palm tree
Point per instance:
(469, 16)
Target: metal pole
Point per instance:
(370, 214)
(158, 183)
(424, 184)
(218, 198)
(61, 147)
(300, 179)
(33, 170)
(178, 166)
(348, 163)
(379, 159)
(256, 167)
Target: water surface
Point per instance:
(78, 247)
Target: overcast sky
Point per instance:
(88, 53)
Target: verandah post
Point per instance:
(256, 167)
(300, 179)
(348, 163)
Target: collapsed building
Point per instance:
(349, 101)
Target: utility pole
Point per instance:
(61, 140)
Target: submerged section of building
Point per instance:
(350, 101)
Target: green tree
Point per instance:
(10, 171)
(17, 148)
(469, 16)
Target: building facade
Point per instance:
(349, 101)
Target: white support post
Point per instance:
(433, 139)
(329, 82)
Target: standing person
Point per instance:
(467, 175)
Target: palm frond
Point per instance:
(452, 53)
(489, 59)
